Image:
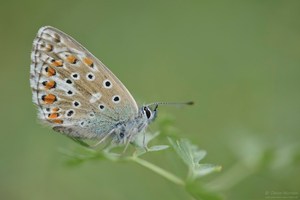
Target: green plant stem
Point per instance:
(171, 177)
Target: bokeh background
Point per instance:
(239, 61)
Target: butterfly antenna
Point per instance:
(171, 103)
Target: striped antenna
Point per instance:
(171, 103)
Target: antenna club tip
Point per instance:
(190, 103)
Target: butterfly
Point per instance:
(78, 96)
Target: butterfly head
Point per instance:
(149, 112)
(126, 132)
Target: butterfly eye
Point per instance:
(122, 135)
(148, 112)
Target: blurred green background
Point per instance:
(239, 61)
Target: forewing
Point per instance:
(74, 92)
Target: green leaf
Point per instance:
(191, 156)
(142, 141)
(188, 152)
(158, 147)
(80, 155)
(204, 169)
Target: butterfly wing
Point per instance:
(74, 92)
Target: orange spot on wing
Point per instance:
(49, 84)
(53, 115)
(50, 71)
(55, 109)
(72, 59)
(56, 63)
(88, 61)
(58, 121)
(49, 98)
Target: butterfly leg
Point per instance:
(127, 143)
(104, 138)
(144, 141)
